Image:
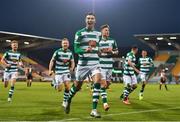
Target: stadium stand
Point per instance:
(176, 69)
(27, 43)
(167, 48)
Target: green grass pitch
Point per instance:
(42, 102)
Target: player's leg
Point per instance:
(165, 85)
(160, 84)
(66, 82)
(12, 83)
(30, 80)
(27, 80)
(143, 80)
(134, 83)
(96, 77)
(127, 89)
(58, 82)
(6, 78)
(81, 74)
(103, 89)
(108, 78)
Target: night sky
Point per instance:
(62, 18)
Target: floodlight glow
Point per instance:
(169, 43)
(8, 40)
(160, 38)
(173, 38)
(146, 38)
(26, 43)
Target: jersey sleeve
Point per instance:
(138, 63)
(5, 55)
(54, 55)
(115, 45)
(151, 61)
(20, 57)
(77, 43)
(72, 57)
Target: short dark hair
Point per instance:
(134, 47)
(90, 13)
(104, 26)
(14, 41)
(64, 39)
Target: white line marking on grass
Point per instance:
(133, 112)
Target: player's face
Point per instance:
(90, 21)
(105, 32)
(65, 44)
(14, 46)
(144, 53)
(135, 51)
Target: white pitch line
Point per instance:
(133, 112)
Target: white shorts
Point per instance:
(143, 77)
(131, 80)
(61, 78)
(106, 74)
(84, 71)
(10, 75)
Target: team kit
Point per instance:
(95, 52)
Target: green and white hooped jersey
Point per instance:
(106, 62)
(145, 64)
(12, 58)
(60, 56)
(128, 70)
(82, 38)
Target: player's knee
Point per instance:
(67, 87)
(97, 78)
(128, 85)
(134, 86)
(78, 87)
(103, 84)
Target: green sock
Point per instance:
(96, 91)
(103, 95)
(66, 94)
(11, 91)
(72, 92)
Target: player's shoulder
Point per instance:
(140, 58)
(129, 54)
(80, 31)
(97, 32)
(8, 51)
(111, 39)
(58, 50)
(68, 50)
(17, 52)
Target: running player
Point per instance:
(129, 76)
(145, 63)
(107, 48)
(29, 75)
(11, 60)
(163, 79)
(62, 58)
(86, 46)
